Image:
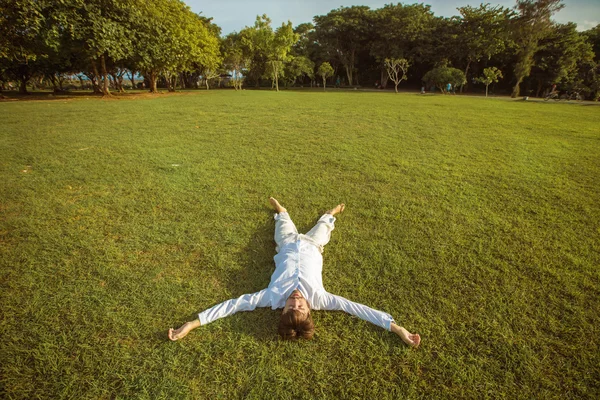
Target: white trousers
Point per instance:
(319, 235)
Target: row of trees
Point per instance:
(101, 38)
(163, 39)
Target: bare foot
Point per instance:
(337, 209)
(275, 204)
(176, 334)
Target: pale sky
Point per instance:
(233, 15)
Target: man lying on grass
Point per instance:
(297, 285)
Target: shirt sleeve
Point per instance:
(247, 302)
(331, 302)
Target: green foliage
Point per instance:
(236, 57)
(441, 76)
(490, 75)
(402, 31)
(529, 28)
(484, 30)
(47, 40)
(297, 67)
(27, 37)
(173, 39)
(561, 56)
(344, 32)
(325, 71)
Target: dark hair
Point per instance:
(293, 325)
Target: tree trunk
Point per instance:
(53, 81)
(324, 80)
(120, 78)
(132, 79)
(207, 86)
(172, 83)
(105, 90)
(60, 79)
(152, 79)
(466, 72)
(486, 90)
(396, 86)
(117, 81)
(95, 77)
(23, 86)
(539, 88)
(349, 74)
(384, 78)
(516, 89)
(276, 80)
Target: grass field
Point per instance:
(475, 222)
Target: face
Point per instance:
(296, 302)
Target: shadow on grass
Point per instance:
(257, 266)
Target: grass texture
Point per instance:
(475, 222)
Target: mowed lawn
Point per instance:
(473, 221)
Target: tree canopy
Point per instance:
(171, 46)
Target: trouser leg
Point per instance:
(284, 228)
(321, 232)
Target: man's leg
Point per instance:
(284, 227)
(321, 232)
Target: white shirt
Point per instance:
(298, 265)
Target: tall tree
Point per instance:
(400, 31)
(531, 26)
(591, 74)
(236, 57)
(560, 56)
(257, 42)
(278, 51)
(484, 32)
(346, 31)
(173, 39)
(27, 35)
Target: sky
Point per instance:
(234, 15)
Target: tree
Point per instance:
(104, 31)
(441, 76)
(235, 57)
(490, 75)
(172, 39)
(257, 42)
(591, 76)
(27, 35)
(530, 27)
(560, 57)
(326, 71)
(345, 31)
(400, 31)
(298, 66)
(394, 66)
(484, 32)
(279, 48)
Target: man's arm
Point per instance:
(247, 302)
(328, 301)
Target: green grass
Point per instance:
(473, 221)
